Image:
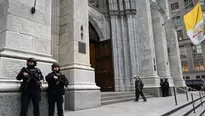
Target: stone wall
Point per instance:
(24, 35)
(10, 100)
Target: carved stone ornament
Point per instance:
(94, 3)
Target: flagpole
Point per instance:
(178, 12)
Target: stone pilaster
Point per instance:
(163, 68)
(136, 45)
(131, 44)
(120, 54)
(115, 55)
(203, 51)
(55, 29)
(190, 58)
(127, 64)
(116, 46)
(74, 56)
(147, 50)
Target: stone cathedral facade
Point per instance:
(99, 44)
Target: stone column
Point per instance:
(23, 35)
(190, 58)
(147, 50)
(74, 56)
(127, 64)
(163, 68)
(174, 56)
(131, 40)
(55, 29)
(136, 44)
(115, 55)
(125, 45)
(120, 54)
(203, 51)
(117, 47)
(173, 47)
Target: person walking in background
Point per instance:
(166, 87)
(162, 87)
(139, 88)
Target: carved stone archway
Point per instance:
(94, 3)
(97, 28)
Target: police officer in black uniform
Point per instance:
(56, 82)
(166, 87)
(30, 87)
(162, 87)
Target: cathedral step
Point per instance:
(118, 97)
(109, 94)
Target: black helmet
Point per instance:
(55, 65)
(32, 60)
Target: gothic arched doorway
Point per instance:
(101, 60)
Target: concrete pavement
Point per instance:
(153, 107)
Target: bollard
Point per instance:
(200, 98)
(187, 97)
(175, 96)
(193, 102)
(204, 93)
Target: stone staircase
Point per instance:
(118, 97)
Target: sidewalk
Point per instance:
(153, 107)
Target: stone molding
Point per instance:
(14, 85)
(19, 54)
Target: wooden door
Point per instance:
(92, 55)
(104, 66)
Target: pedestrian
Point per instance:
(162, 87)
(56, 82)
(30, 87)
(166, 87)
(139, 89)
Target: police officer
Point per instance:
(56, 82)
(162, 87)
(138, 89)
(166, 87)
(30, 87)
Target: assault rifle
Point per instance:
(30, 77)
(59, 75)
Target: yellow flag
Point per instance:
(195, 25)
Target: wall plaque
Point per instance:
(82, 47)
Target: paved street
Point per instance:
(153, 107)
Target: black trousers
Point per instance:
(25, 100)
(52, 100)
(163, 92)
(138, 93)
(166, 91)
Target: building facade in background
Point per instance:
(192, 57)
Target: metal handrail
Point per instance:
(190, 88)
(185, 91)
(192, 96)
